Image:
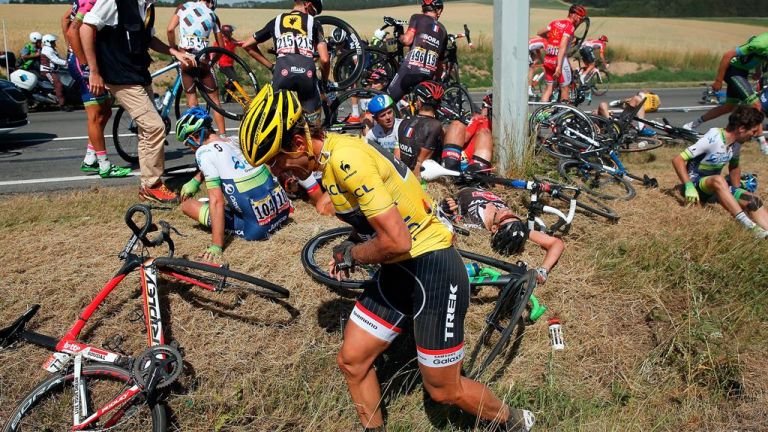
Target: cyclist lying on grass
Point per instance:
(257, 205)
(699, 167)
(651, 104)
(482, 208)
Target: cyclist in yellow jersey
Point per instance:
(422, 276)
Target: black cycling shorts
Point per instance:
(296, 72)
(405, 80)
(587, 54)
(433, 291)
(739, 90)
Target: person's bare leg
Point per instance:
(721, 189)
(547, 94)
(446, 386)
(217, 117)
(565, 92)
(355, 359)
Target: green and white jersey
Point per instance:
(710, 154)
(752, 54)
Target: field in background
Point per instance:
(664, 318)
(643, 40)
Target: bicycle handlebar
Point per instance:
(140, 232)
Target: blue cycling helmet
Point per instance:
(192, 121)
(380, 103)
(749, 182)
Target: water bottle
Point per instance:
(556, 334)
(166, 100)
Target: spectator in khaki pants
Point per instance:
(116, 37)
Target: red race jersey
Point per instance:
(556, 31)
(226, 61)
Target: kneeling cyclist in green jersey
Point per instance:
(422, 276)
(481, 208)
(699, 167)
(734, 69)
(243, 200)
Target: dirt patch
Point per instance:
(624, 68)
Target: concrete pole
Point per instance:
(510, 83)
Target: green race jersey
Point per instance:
(752, 54)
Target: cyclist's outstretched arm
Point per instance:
(553, 246)
(171, 30)
(325, 60)
(257, 55)
(724, 62)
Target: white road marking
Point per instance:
(95, 176)
(84, 137)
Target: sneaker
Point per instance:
(159, 193)
(94, 167)
(114, 171)
(758, 232)
(352, 119)
(519, 421)
(689, 126)
(647, 132)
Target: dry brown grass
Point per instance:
(634, 307)
(673, 35)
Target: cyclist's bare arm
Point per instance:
(65, 23)
(553, 246)
(216, 205)
(543, 32)
(562, 51)
(424, 154)
(724, 62)
(680, 169)
(407, 38)
(171, 30)
(87, 37)
(391, 240)
(322, 202)
(325, 60)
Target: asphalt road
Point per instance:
(45, 155)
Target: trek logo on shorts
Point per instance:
(451, 312)
(440, 358)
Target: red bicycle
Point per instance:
(94, 388)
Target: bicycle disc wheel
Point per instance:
(584, 203)
(501, 323)
(341, 38)
(457, 99)
(216, 278)
(235, 95)
(125, 136)
(595, 181)
(636, 143)
(599, 82)
(317, 253)
(337, 114)
(49, 406)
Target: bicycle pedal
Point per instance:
(136, 316)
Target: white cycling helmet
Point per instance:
(49, 39)
(34, 37)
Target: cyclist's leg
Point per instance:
(550, 63)
(374, 323)
(717, 186)
(753, 205)
(57, 87)
(454, 143)
(98, 111)
(209, 86)
(441, 299)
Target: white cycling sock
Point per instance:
(104, 162)
(745, 220)
(90, 155)
(696, 123)
(763, 144)
(355, 110)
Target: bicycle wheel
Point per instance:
(556, 127)
(238, 93)
(217, 279)
(49, 406)
(376, 59)
(316, 255)
(337, 113)
(125, 136)
(500, 323)
(584, 203)
(599, 82)
(457, 99)
(592, 179)
(342, 38)
(635, 143)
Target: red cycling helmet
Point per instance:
(427, 5)
(429, 92)
(604, 38)
(578, 10)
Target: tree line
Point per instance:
(679, 8)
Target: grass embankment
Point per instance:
(664, 319)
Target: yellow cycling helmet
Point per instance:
(652, 102)
(270, 115)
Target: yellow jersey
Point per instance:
(364, 180)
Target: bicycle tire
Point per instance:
(53, 390)
(338, 110)
(549, 123)
(245, 90)
(600, 82)
(177, 104)
(125, 137)
(586, 203)
(353, 38)
(504, 319)
(221, 278)
(595, 181)
(457, 99)
(318, 267)
(636, 143)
